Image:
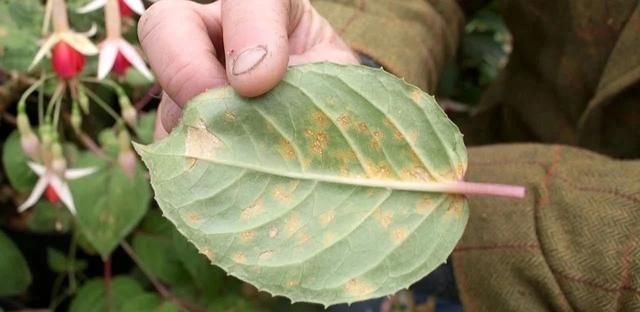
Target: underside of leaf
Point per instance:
(313, 191)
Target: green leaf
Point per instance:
(109, 203)
(315, 191)
(60, 263)
(207, 279)
(47, 217)
(15, 164)
(146, 127)
(20, 22)
(232, 303)
(148, 302)
(13, 268)
(92, 297)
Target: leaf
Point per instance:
(310, 191)
(146, 126)
(148, 302)
(60, 263)
(15, 164)
(20, 22)
(92, 297)
(14, 270)
(206, 278)
(47, 217)
(109, 203)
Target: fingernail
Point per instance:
(249, 59)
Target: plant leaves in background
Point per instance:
(20, 22)
(15, 165)
(60, 263)
(92, 296)
(306, 192)
(109, 203)
(47, 217)
(14, 271)
(148, 302)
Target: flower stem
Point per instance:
(472, 188)
(103, 105)
(59, 15)
(112, 19)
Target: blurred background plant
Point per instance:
(89, 237)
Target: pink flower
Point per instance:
(114, 52)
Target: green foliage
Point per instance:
(92, 297)
(47, 217)
(13, 268)
(60, 263)
(20, 22)
(312, 191)
(148, 302)
(146, 127)
(14, 161)
(109, 203)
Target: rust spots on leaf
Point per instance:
(239, 257)
(303, 238)
(384, 218)
(328, 238)
(318, 141)
(207, 252)
(416, 96)
(200, 143)
(106, 217)
(425, 205)
(419, 173)
(193, 218)
(344, 121)
(292, 224)
(362, 127)
(412, 137)
(247, 235)
(376, 137)
(456, 207)
(319, 119)
(398, 235)
(375, 171)
(292, 283)
(396, 132)
(190, 162)
(327, 217)
(281, 194)
(230, 117)
(286, 150)
(252, 211)
(273, 232)
(266, 255)
(358, 288)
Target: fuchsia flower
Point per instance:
(116, 54)
(53, 181)
(126, 7)
(68, 47)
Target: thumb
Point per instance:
(256, 43)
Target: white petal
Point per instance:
(92, 6)
(134, 58)
(91, 32)
(46, 47)
(108, 53)
(62, 189)
(37, 168)
(79, 42)
(77, 173)
(37, 191)
(135, 5)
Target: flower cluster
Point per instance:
(68, 49)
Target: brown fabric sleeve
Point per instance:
(413, 39)
(572, 244)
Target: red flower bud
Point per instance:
(127, 161)
(51, 195)
(124, 9)
(120, 65)
(67, 62)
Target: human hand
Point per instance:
(245, 43)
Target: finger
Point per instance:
(168, 115)
(255, 41)
(177, 37)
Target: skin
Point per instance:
(245, 43)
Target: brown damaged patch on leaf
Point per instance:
(292, 224)
(230, 117)
(320, 119)
(425, 205)
(456, 207)
(281, 194)
(327, 217)
(328, 238)
(344, 121)
(286, 150)
(396, 132)
(303, 238)
(247, 235)
(207, 252)
(292, 283)
(318, 141)
(266, 255)
(193, 218)
(362, 127)
(419, 173)
(416, 96)
(358, 288)
(200, 143)
(374, 171)
(190, 162)
(252, 211)
(273, 232)
(398, 235)
(239, 257)
(384, 218)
